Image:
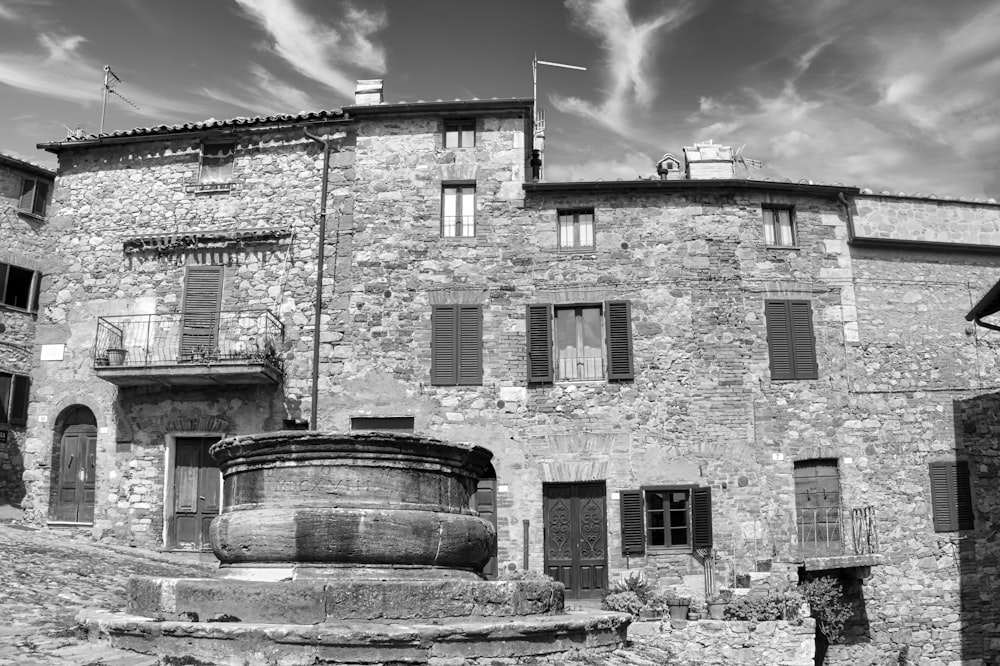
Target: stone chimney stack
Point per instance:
(707, 160)
(368, 92)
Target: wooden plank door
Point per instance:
(197, 482)
(576, 537)
(201, 311)
(817, 508)
(77, 476)
(486, 505)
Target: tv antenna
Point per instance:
(743, 164)
(110, 81)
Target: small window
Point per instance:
(458, 211)
(951, 496)
(217, 161)
(579, 342)
(460, 133)
(576, 229)
(779, 226)
(666, 518)
(399, 423)
(457, 345)
(14, 398)
(790, 340)
(34, 197)
(19, 287)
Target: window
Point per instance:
(790, 340)
(34, 197)
(401, 423)
(19, 287)
(579, 342)
(458, 211)
(665, 518)
(457, 345)
(217, 163)
(460, 133)
(951, 497)
(14, 398)
(779, 226)
(576, 229)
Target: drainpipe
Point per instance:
(850, 218)
(321, 259)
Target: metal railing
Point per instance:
(166, 340)
(581, 367)
(836, 531)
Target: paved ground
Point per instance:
(48, 576)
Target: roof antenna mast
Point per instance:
(539, 114)
(110, 81)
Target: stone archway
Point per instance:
(72, 488)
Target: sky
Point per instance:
(894, 96)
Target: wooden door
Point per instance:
(486, 505)
(817, 507)
(201, 311)
(77, 474)
(576, 537)
(197, 482)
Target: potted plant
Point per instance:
(653, 607)
(116, 356)
(717, 603)
(678, 606)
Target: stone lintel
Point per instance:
(844, 561)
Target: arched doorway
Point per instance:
(74, 467)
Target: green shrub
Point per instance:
(764, 607)
(623, 602)
(829, 606)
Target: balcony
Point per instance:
(838, 538)
(227, 349)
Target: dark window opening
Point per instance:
(14, 398)
(19, 287)
(400, 423)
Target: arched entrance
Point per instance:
(74, 467)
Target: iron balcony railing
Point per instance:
(161, 340)
(837, 531)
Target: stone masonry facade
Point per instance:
(903, 380)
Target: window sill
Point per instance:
(209, 188)
(794, 248)
(566, 382)
(458, 238)
(34, 216)
(14, 308)
(665, 550)
(592, 251)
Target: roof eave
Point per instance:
(457, 106)
(21, 165)
(687, 184)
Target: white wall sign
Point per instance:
(53, 352)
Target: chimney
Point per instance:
(368, 92)
(669, 168)
(707, 160)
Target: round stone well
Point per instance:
(350, 548)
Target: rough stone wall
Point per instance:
(717, 642)
(106, 195)
(926, 219)
(22, 246)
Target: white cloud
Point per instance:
(628, 47)
(321, 52)
(626, 167)
(266, 95)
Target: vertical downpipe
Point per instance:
(321, 259)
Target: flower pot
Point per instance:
(716, 611)
(678, 611)
(116, 357)
(647, 615)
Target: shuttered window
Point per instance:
(579, 342)
(19, 287)
(951, 496)
(34, 197)
(790, 340)
(665, 518)
(14, 398)
(200, 313)
(457, 345)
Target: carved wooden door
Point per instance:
(576, 538)
(77, 475)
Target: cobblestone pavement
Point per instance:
(48, 576)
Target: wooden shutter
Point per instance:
(5, 386)
(19, 400)
(618, 321)
(3, 282)
(27, 194)
(779, 339)
(951, 496)
(36, 283)
(200, 316)
(803, 341)
(41, 198)
(470, 345)
(701, 517)
(538, 326)
(444, 345)
(633, 533)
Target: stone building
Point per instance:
(701, 377)
(25, 190)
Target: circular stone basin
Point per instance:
(327, 504)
